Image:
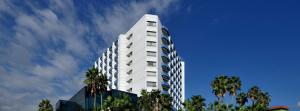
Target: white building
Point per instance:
(145, 58)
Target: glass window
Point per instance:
(129, 45)
(151, 84)
(129, 54)
(151, 53)
(151, 43)
(151, 63)
(151, 33)
(165, 32)
(129, 63)
(151, 23)
(129, 90)
(129, 72)
(151, 73)
(129, 37)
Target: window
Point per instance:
(165, 32)
(129, 54)
(151, 43)
(129, 37)
(151, 84)
(129, 63)
(129, 45)
(151, 53)
(151, 63)
(129, 90)
(165, 41)
(151, 73)
(151, 23)
(129, 80)
(151, 33)
(129, 72)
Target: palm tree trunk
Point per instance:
(101, 101)
(95, 100)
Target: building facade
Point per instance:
(145, 58)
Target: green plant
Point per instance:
(45, 105)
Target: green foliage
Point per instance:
(234, 85)
(260, 100)
(219, 87)
(222, 85)
(96, 82)
(241, 99)
(121, 103)
(197, 103)
(154, 101)
(45, 105)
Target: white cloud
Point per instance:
(46, 50)
(298, 104)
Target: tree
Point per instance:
(253, 93)
(234, 85)
(154, 101)
(260, 100)
(96, 83)
(119, 103)
(241, 100)
(219, 86)
(197, 103)
(45, 105)
(103, 82)
(144, 101)
(166, 102)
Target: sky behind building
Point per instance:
(46, 46)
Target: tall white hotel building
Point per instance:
(145, 58)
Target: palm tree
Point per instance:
(96, 83)
(45, 105)
(103, 82)
(155, 99)
(188, 105)
(260, 99)
(234, 85)
(166, 102)
(241, 100)
(219, 86)
(119, 103)
(263, 101)
(144, 101)
(253, 93)
(196, 103)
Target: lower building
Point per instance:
(84, 101)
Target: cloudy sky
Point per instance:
(46, 46)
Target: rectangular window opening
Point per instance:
(151, 23)
(151, 84)
(151, 43)
(151, 63)
(151, 33)
(151, 73)
(151, 53)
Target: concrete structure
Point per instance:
(84, 101)
(144, 58)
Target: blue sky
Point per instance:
(46, 46)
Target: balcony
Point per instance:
(165, 77)
(165, 86)
(165, 68)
